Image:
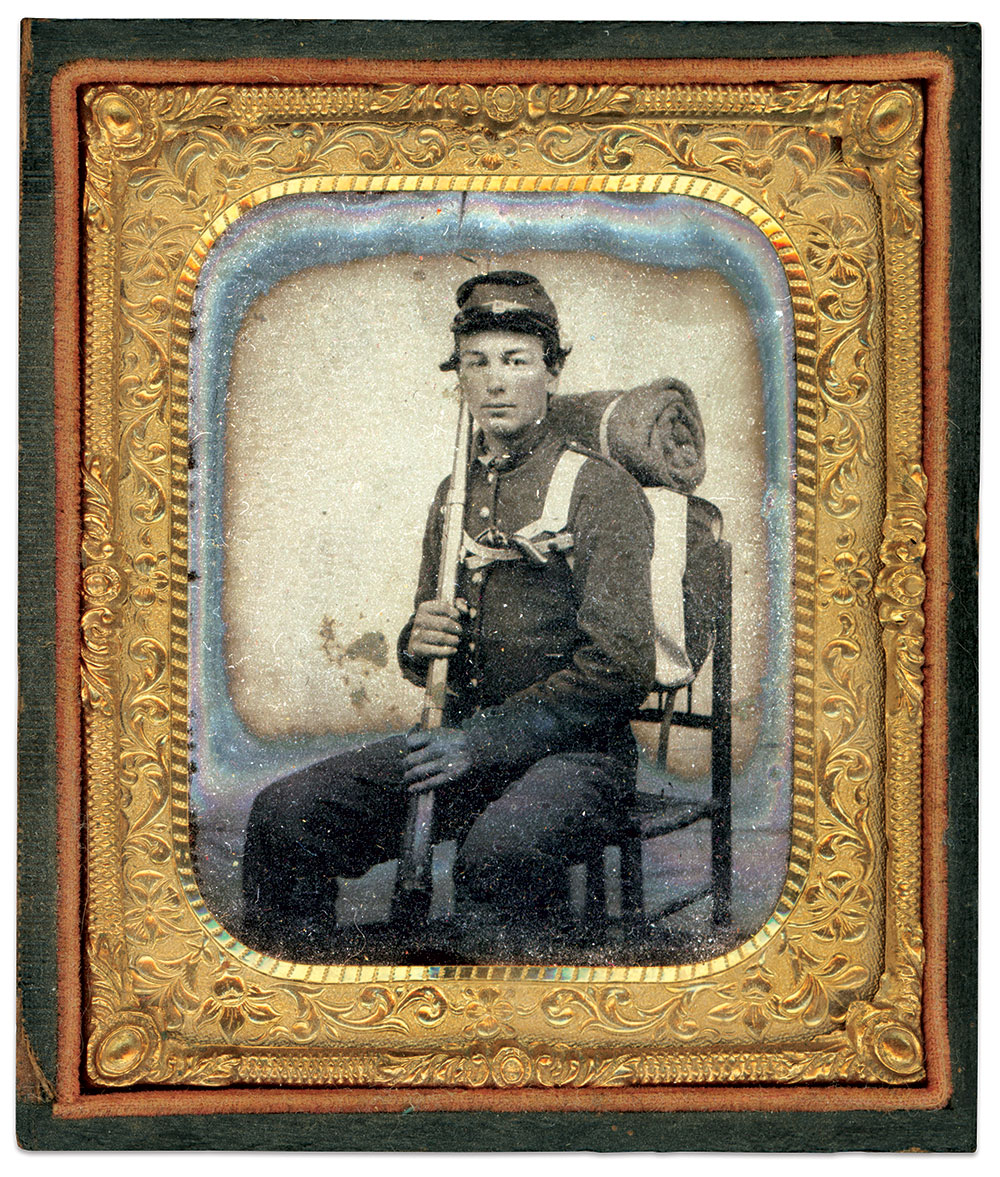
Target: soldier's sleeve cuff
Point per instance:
(513, 735)
(414, 669)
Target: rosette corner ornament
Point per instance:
(887, 1047)
(124, 1049)
(123, 121)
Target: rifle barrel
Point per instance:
(411, 901)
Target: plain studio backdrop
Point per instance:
(340, 425)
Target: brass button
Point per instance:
(484, 512)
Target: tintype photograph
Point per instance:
(501, 585)
(517, 681)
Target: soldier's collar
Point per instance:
(528, 443)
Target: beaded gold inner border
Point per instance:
(830, 988)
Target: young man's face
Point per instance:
(505, 382)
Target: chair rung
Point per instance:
(681, 901)
(677, 718)
(656, 816)
(649, 714)
(690, 719)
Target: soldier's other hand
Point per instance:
(436, 758)
(437, 629)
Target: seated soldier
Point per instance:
(550, 648)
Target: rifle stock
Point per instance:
(412, 898)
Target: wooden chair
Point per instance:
(708, 639)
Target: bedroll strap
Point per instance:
(603, 429)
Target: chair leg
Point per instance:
(633, 906)
(722, 752)
(595, 897)
(667, 699)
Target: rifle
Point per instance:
(412, 899)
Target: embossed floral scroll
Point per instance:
(828, 990)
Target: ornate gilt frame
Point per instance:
(830, 991)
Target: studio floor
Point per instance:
(673, 866)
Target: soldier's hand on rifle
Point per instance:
(437, 628)
(435, 758)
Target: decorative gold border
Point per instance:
(830, 989)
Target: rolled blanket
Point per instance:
(654, 431)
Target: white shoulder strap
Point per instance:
(673, 667)
(555, 509)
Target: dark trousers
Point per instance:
(338, 818)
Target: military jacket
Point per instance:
(554, 656)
